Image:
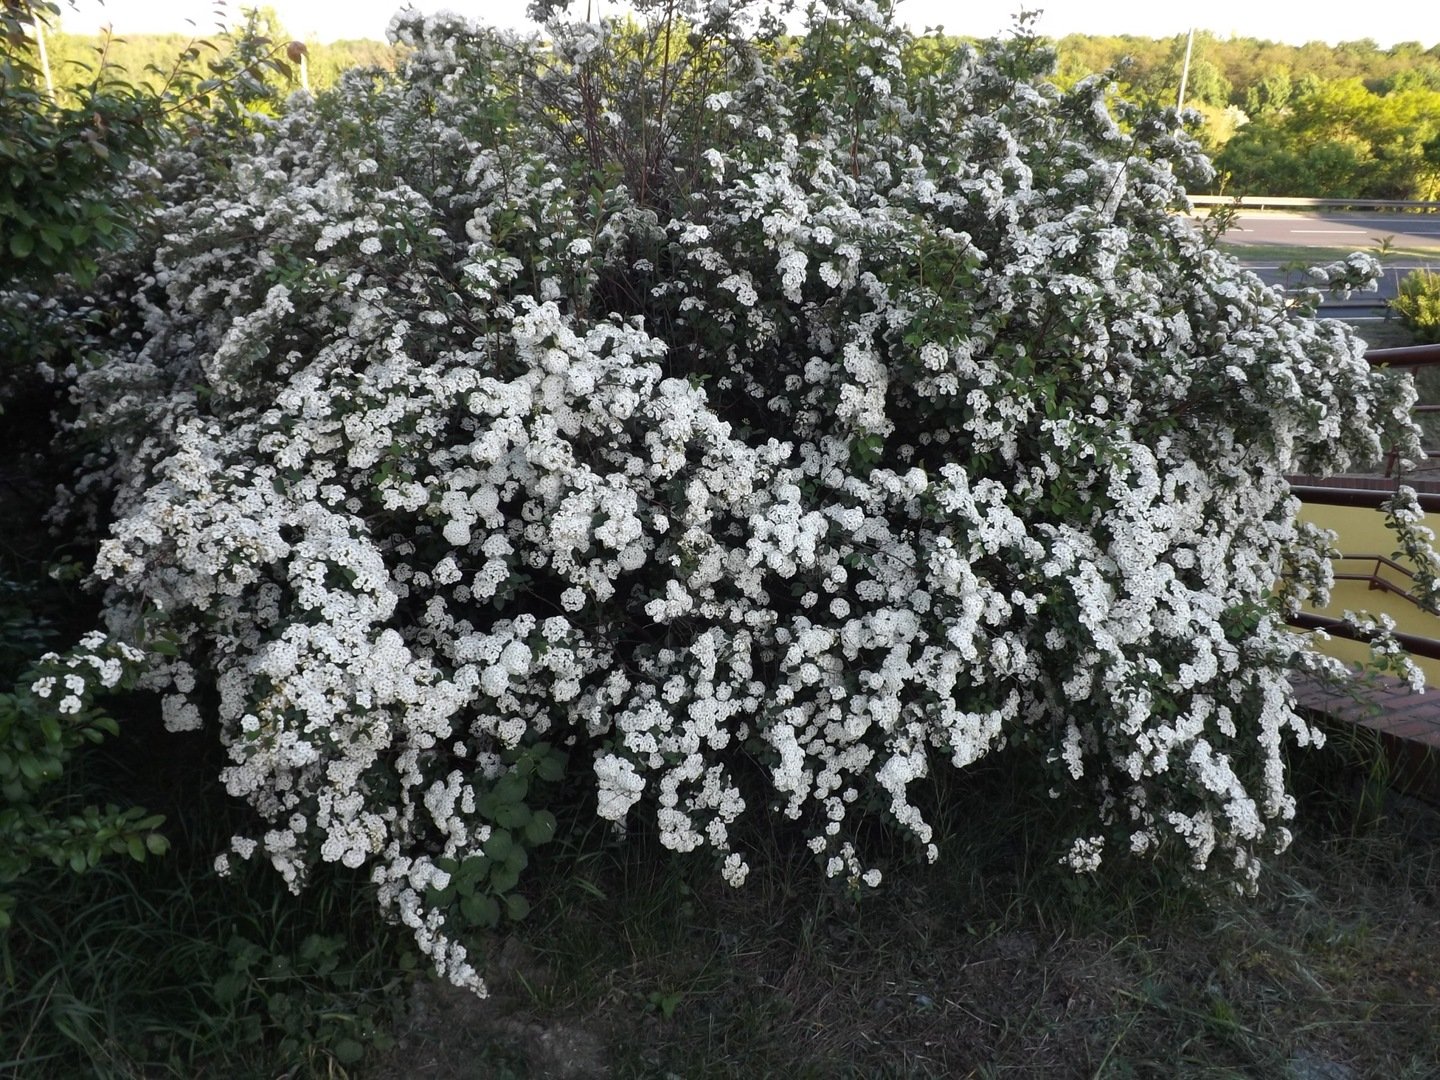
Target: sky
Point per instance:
(1278, 20)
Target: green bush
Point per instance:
(49, 714)
(77, 167)
(1417, 302)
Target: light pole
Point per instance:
(44, 56)
(1185, 69)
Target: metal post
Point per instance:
(1185, 69)
(44, 56)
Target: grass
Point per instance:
(1390, 333)
(993, 963)
(1305, 255)
(165, 970)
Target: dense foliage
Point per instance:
(1417, 302)
(147, 58)
(724, 423)
(1247, 72)
(77, 188)
(1354, 120)
(1341, 140)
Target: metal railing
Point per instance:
(1261, 202)
(1368, 498)
(1413, 357)
(1411, 643)
(1374, 578)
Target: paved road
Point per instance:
(1292, 277)
(1416, 234)
(1325, 229)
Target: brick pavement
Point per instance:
(1408, 724)
(1386, 706)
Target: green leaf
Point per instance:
(513, 815)
(480, 910)
(50, 728)
(21, 245)
(540, 829)
(439, 898)
(551, 767)
(228, 987)
(505, 878)
(516, 906)
(500, 844)
(511, 788)
(348, 1051)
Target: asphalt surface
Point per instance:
(1417, 235)
(1359, 231)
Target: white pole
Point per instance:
(1185, 69)
(44, 56)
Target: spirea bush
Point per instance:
(729, 423)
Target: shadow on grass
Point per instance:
(992, 963)
(164, 969)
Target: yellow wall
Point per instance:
(1363, 531)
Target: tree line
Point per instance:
(1343, 121)
(1350, 120)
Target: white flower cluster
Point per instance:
(97, 663)
(914, 426)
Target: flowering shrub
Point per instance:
(729, 422)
